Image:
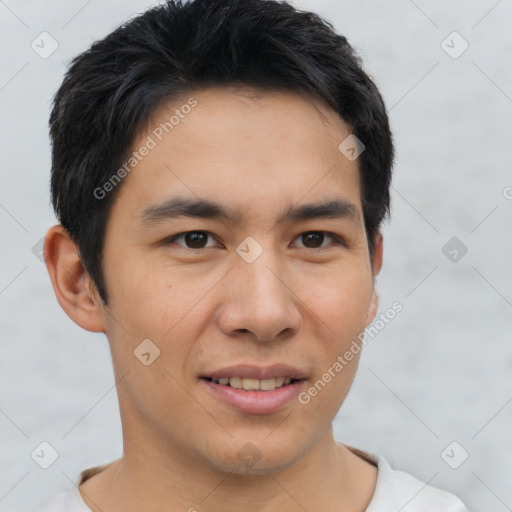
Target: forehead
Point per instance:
(242, 147)
(248, 108)
(240, 120)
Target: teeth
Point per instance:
(255, 384)
(235, 382)
(250, 384)
(267, 384)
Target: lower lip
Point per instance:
(256, 402)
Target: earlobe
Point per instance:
(378, 254)
(372, 310)
(71, 282)
(376, 266)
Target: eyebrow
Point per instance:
(205, 209)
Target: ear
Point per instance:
(71, 283)
(376, 266)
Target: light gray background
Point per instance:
(440, 372)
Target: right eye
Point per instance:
(193, 239)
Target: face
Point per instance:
(243, 288)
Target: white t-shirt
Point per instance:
(395, 491)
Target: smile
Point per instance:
(254, 384)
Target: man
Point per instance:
(220, 171)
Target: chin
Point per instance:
(245, 457)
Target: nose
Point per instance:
(259, 299)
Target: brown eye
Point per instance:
(193, 239)
(196, 239)
(314, 239)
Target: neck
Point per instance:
(329, 478)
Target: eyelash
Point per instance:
(337, 239)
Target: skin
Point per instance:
(300, 302)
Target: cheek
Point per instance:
(326, 393)
(340, 301)
(161, 305)
(156, 304)
(139, 296)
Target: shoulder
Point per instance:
(416, 496)
(55, 504)
(398, 490)
(70, 500)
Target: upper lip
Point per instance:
(249, 371)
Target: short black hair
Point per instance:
(110, 91)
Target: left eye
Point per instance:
(196, 239)
(317, 237)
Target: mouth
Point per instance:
(255, 390)
(248, 384)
